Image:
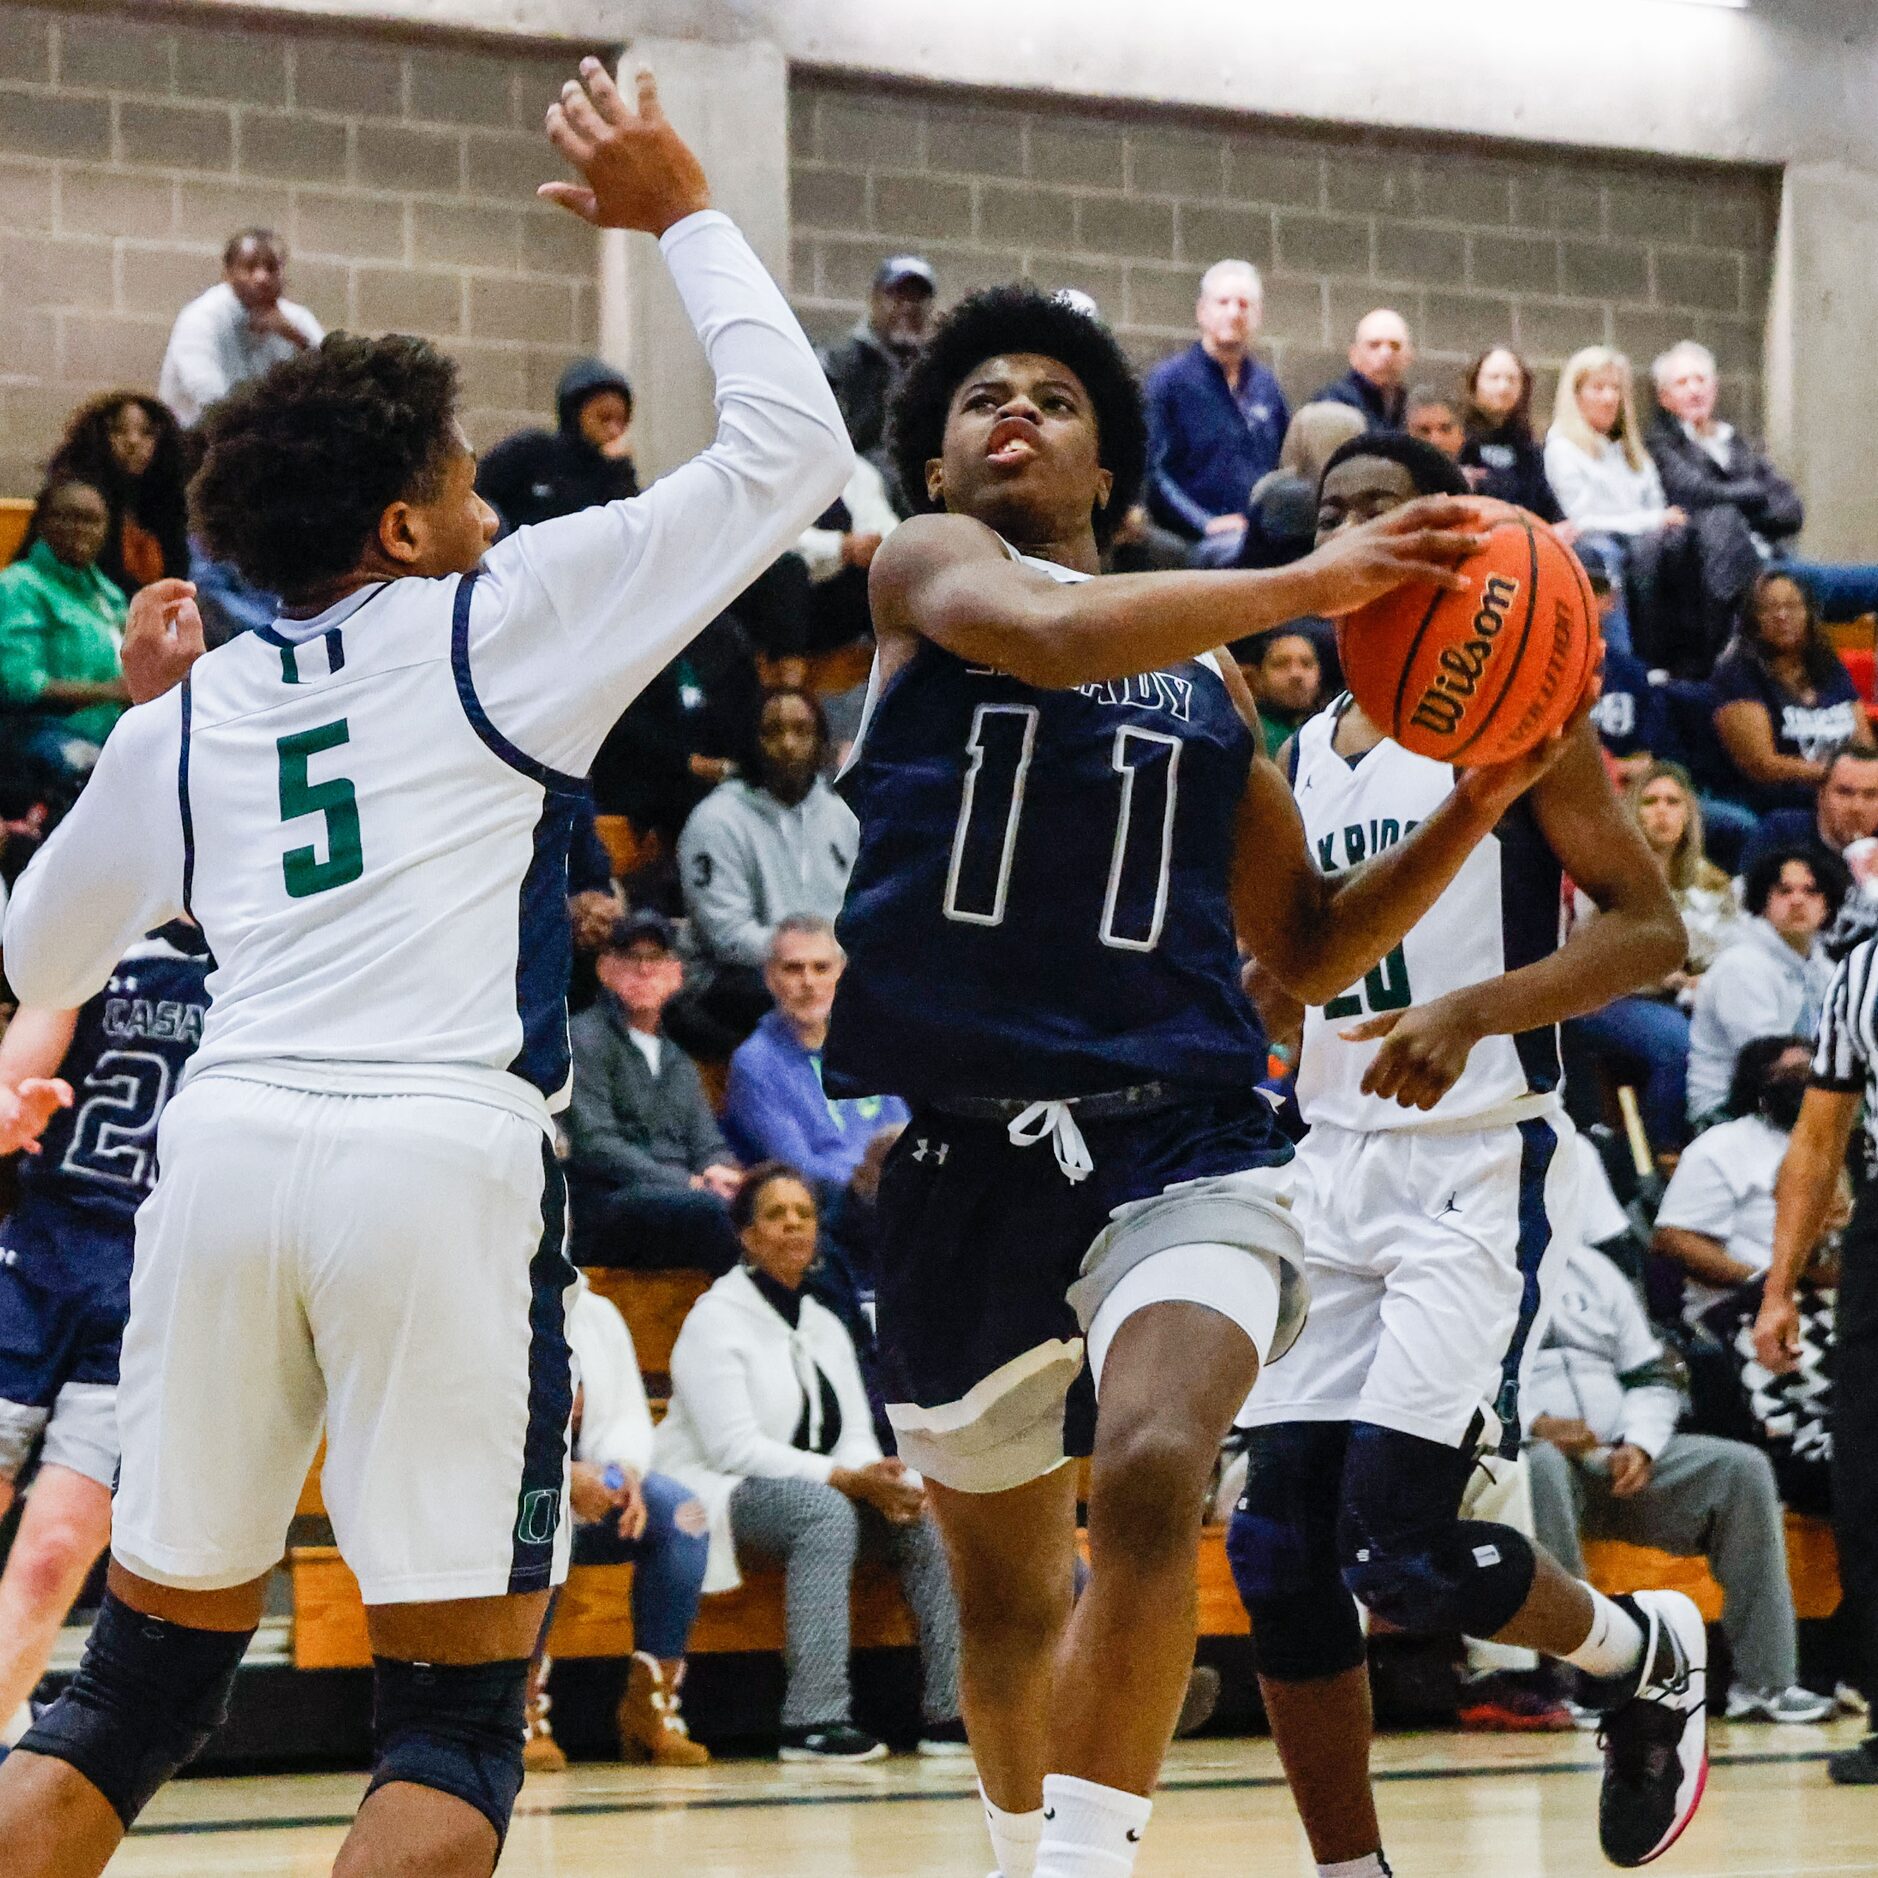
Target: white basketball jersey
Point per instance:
(1501, 911)
(368, 812)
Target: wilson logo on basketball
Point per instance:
(1445, 702)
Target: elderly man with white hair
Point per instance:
(1216, 417)
(1707, 466)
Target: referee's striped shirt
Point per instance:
(1846, 1057)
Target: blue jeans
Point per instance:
(1840, 592)
(1608, 552)
(670, 1573)
(1654, 1036)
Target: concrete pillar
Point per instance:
(1822, 396)
(732, 105)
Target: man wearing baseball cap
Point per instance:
(865, 368)
(649, 1174)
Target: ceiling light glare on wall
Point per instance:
(1737, 6)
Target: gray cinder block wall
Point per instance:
(1474, 245)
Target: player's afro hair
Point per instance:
(300, 463)
(1005, 320)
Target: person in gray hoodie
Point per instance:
(1771, 981)
(772, 842)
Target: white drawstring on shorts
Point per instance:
(1054, 1122)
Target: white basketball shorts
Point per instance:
(1430, 1256)
(392, 1267)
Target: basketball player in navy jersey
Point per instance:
(81, 1093)
(1434, 1192)
(1064, 812)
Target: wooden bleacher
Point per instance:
(594, 1617)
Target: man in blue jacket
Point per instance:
(1216, 417)
(774, 1108)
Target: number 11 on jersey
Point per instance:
(984, 844)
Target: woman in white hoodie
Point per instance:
(770, 1427)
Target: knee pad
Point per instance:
(1406, 1553)
(456, 1728)
(1281, 1546)
(146, 1699)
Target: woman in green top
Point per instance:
(61, 621)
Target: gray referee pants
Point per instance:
(818, 1536)
(1706, 1497)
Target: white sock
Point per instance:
(1014, 1837)
(1089, 1831)
(1615, 1645)
(1370, 1865)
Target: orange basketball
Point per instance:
(1484, 674)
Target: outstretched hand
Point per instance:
(1425, 540)
(162, 639)
(639, 172)
(25, 1111)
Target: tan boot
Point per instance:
(541, 1753)
(650, 1726)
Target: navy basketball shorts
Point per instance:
(64, 1296)
(995, 1267)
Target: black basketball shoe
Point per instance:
(1655, 1732)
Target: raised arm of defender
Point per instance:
(947, 578)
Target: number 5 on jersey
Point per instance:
(305, 873)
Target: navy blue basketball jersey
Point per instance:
(1039, 907)
(127, 1057)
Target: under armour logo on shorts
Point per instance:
(925, 1150)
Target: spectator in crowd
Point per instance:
(1790, 1411)
(770, 1427)
(1770, 981)
(838, 551)
(1502, 455)
(594, 903)
(586, 461)
(1630, 715)
(1605, 481)
(1380, 357)
(650, 1176)
(1216, 417)
(1664, 804)
(236, 330)
(865, 369)
(1433, 418)
(1784, 700)
(130, 449)
(1706, 463)
(61, 619)
(1716, 1222)
(1281, 518)
(1286, 679)
(774, 1108)
(1647, 1033)
(1606, 1461)
(626, 1514)
(1844, 811)
(682, 736)
(774, 841)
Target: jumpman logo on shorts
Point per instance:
(1453, 1205)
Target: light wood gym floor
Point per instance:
(1454, 1806)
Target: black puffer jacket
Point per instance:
(538, 474)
